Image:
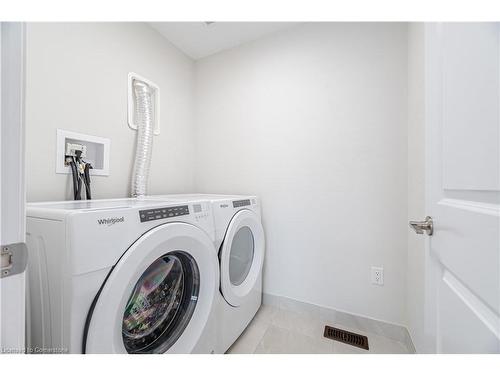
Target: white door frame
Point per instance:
(432, 134)
(12, 186)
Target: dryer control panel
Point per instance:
(241, 203)
(163, 213)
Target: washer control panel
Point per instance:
(163, 213)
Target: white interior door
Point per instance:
(463, 187)
(12, 192)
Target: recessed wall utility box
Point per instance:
(95, 150)
(131, 101)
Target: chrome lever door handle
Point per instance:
(420, 227)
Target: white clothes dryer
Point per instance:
(122, 276)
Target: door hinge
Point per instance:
(13, 259)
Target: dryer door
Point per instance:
(241, 256)
(159, 296)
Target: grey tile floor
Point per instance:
(278, 331)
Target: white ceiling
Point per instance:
(199, 39)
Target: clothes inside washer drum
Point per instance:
(161, 304)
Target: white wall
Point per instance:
(77, 80)
(314, 121)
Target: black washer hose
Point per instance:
(75, 178)
(86, 175)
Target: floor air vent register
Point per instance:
(346, 337)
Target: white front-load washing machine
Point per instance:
(239, 238)
(122, 276)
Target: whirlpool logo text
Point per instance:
(110, 221)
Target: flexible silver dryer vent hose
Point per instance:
(144, 120)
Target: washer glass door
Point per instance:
(241, 256)
(161, 304)
(159, 297)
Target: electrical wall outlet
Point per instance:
(378, 275)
